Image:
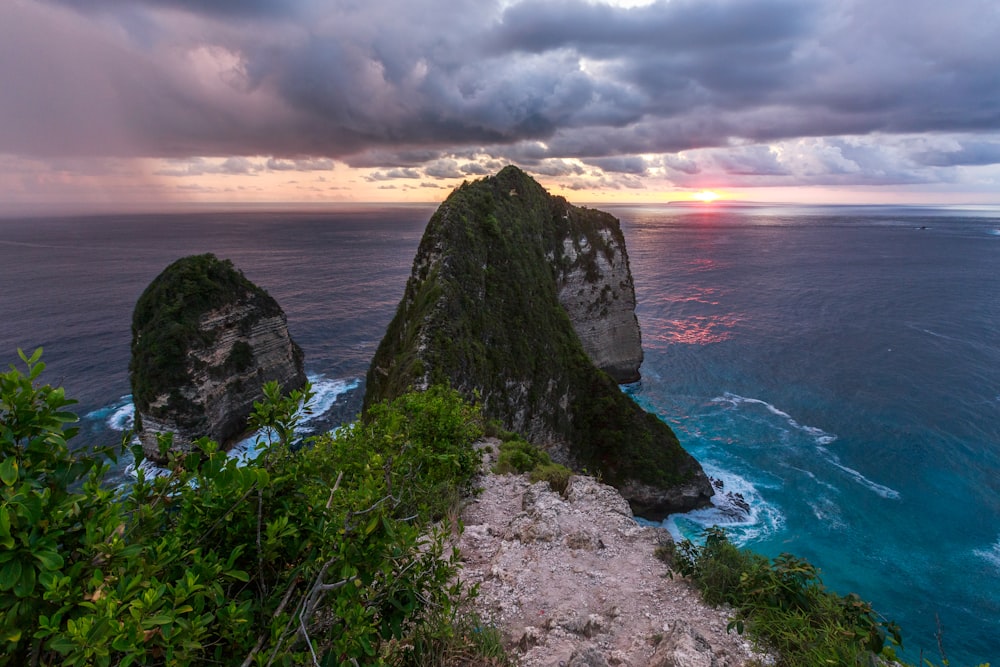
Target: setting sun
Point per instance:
(706, 196)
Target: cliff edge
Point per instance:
(572, 580)
(525, 303)
(204, 341)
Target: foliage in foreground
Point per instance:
(783, 604)
(316, 556)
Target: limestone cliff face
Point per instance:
(596, 290)
(204, 341)
(526, 302)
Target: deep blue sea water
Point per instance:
(838, 366)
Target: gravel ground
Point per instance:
(573, 581)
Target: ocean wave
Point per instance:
(880, 489)
(743, 527)
(326, 392)
(991, 555)
(820, 437)
(994, 232)
(120, 416)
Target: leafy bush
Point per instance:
(304, 556)
(784, 604)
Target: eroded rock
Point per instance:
(204, 341)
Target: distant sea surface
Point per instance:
(838, 366)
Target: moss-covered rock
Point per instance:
(204, 341)
(482, 312)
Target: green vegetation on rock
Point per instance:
(481, 312)
(165, 324)
(517, 455)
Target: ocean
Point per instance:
(838, 366)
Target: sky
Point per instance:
(153, 104)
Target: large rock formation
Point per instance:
(514, 296)
(204, 341)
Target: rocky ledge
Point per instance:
(204, 341)
(573, 581)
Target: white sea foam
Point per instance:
(325, 395)
(121, 416)
(995, 232)
(811, 475)
(763, 518)
(991, 555)
(880, 489)
(819, 436)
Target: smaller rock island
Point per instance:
(204, 341)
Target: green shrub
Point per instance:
(555, 474)
(517, 455)
(784, 605)
(299, 557)
(520, 456)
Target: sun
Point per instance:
(706, 196)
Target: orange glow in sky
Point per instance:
(707, 196)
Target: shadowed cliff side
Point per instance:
(204, 341)
(506, 284)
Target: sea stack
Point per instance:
(204, 341)
(525, 304)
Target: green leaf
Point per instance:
(6, 541)
(10, 635)
(8, 471)
(159, 619)
(239, 575)
(25, 585)
(10, 574)
(50, 560)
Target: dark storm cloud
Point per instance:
(966, 154)
(625, 164)
(441, 87)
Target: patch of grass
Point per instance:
(517, 455)
(459, 640)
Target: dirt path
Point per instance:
(574, 581)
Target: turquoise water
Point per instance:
(839, 367)
(841, 370)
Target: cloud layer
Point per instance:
(769, 92)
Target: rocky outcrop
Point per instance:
(204, 341)
(596, 289)
(572, 579)
(525, 304)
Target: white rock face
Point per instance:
(598, 294)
